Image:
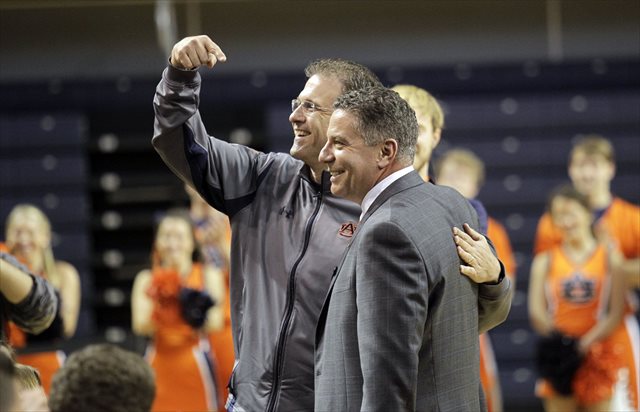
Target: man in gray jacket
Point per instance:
(288, 231)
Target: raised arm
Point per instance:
(219, 171)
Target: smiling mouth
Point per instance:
(335, 173)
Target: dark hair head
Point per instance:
(352, 75)
(382, 114)
(179, 214)
(103, 378)
(567, 191)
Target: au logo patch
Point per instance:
(578, 289)
(347, 229)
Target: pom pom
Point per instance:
(164, 290)
(194, 305)
(557, 360)
(596, 377)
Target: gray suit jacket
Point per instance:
(399, 328)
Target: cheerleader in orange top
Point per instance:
(591, 169)
(464, 171)
(577, 290)
(173, 304)
(28, 233)
(213, 234)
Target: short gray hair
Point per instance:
(382, 114)
(352, 75)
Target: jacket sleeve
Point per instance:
(37, 310)
(392, 303)
(494, 303)
(226, 175)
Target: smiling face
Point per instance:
(591, 174)
(174, 242)
(310, 126)
(571, 217)
(353, 165)
(28, 235)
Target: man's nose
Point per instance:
(297, 116)
(326, 155)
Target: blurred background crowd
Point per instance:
(86, 203)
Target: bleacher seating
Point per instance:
(44, 162)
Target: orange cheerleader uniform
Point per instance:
(178, 353)
(621, 221)
(488, 367)
(577, 296)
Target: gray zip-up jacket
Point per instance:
(288, 234)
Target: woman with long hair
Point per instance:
(28, 237)
(176, 303)
(576, 294)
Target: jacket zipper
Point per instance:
(279, 358)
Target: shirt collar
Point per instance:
(375, 191)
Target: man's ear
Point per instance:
(388, 153)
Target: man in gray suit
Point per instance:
(399, 328)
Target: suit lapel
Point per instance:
(325, 306)
(407, 181)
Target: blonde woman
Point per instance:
(28, 237)
(173, 304)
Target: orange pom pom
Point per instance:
(597, 375)
(164, 291)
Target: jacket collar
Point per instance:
(407, 181)
(325, 183)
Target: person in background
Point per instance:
(29, 237)
(103, 378)
(7, 380)
(288, 230)
(591, 169)
(213, 234)
(23, 388)
(430, 118)
(173, 303)
(464, 171)
(577, 289)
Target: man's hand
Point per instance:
(193, 52)
(481, 264)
